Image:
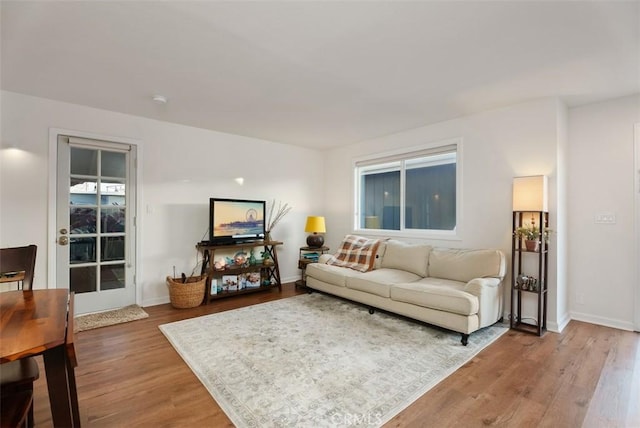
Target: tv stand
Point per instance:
(269, 273)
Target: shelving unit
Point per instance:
(523, 283)
(269, 273)
(304, 260)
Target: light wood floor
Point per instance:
(130, 376)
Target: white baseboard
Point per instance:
(607, 322)
(578, 316)
(557, 327)
(156, 301)
(290, 279)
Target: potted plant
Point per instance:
(531, 236)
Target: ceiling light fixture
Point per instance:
(160, 99)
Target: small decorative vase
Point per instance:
(267, 235)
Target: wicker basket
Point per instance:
(186, 295)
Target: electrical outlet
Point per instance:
(605, 218)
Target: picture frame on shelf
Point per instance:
(230, 282)
(252, 280)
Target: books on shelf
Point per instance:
(311, 256)
(215, 287)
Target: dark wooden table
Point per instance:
(40, 322)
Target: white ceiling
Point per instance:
(318, 74)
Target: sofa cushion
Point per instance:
(356, 252)
(465, 265)
(334, 275)
(379, 281)
(410, 257)
(441, 282)
(434, 296)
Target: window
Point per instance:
(415, 191)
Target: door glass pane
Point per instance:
(83, 279)
(84, 161)
(112, 193)
(113, 164)
(112, 220)
(112, 277)
(112, 248)
(83, 192)
(82, 250)
(82, 220)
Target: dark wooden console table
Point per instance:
(269, 272)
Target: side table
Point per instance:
(308, 255)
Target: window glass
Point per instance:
(415, 191)
(381, 200)
(431, 197)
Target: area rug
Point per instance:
(314, 360)
(103, 319)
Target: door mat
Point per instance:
(103, 319)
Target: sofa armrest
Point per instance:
(490, 298)
(324, 258)
(477, 285)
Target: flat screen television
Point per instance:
(235, 220)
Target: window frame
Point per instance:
(405, 154)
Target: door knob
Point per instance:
(63, 231)
(63, 240)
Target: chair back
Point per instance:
(19, 259)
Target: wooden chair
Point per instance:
(19, 263)
(14, 409)
(17, 377)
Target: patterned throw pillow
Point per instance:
(356, 253)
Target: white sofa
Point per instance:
(458, 289)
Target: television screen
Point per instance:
(234, 220)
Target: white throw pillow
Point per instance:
(409, 257)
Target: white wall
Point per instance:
(497, 146)
(560, 231)
(602, 256)
(591, 174)
(181, 168)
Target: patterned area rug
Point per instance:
(314, 360)
(103, 319)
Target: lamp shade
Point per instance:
(315, 224)
(530, 193)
